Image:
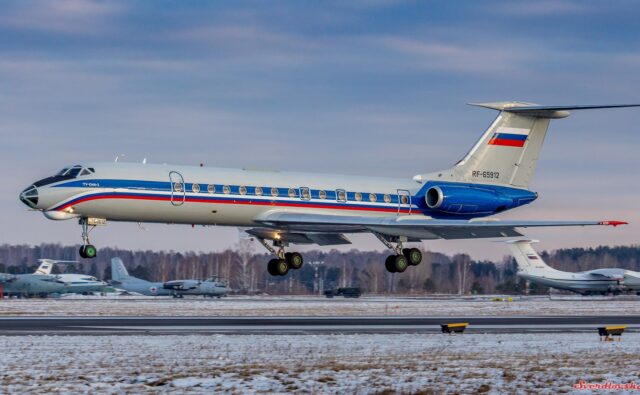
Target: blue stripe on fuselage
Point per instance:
(234, 189)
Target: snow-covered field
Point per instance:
(366, 364)
(317, 306)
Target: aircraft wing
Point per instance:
(613, 274)
(181, 285)
(413, 227)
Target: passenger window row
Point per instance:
(303, 193)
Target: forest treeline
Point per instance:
(246, 271)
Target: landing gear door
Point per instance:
(177, 188)
(404, 201)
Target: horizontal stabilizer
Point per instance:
(534, 110)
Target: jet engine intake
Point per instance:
(463, 199)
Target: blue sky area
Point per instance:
(362, 87)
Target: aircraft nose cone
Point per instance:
(30, 196)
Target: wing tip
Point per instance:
(613, 223)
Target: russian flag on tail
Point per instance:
(510, 137)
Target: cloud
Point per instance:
(545, 8)
(62, 16)
(455, 58)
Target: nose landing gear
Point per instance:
(284, 262)
(87, 250)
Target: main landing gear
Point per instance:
(403, 257)
(87, 250)
(284, 262)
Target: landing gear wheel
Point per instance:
(294, 260)
(413, 255)
(271, 267)
(88, 251)
(400, 263)
(281, 267)
(389, 265)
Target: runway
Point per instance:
(302, 325)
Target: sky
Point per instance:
(372, 88)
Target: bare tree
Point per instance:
(245, 252)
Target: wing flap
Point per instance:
(323, 239)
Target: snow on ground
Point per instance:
(318, 306)
(361, 364)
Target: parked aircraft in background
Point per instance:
(287, 207)
(76, 283)
(599, 281)
(121, 279)
(29, 285)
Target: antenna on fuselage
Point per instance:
(118, 157)
(144, 161)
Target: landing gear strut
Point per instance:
(285, 261)
(403, 257)
(87, 250)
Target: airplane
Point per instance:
(77, 283)
(31, 285)
(599, 281)
(300, 208)
(120, 278)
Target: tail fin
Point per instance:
(507, 152)
(44, 268)
(118, 271)
(46, 265)
(526, 257)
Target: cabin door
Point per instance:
(404, 201)
(177, 188)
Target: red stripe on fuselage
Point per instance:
(243, 202)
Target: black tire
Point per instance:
(389, 265)
(294, 259)
(413, 255)
(282, 267)
(271, 267)
(81, 252)
(400, 263)
(90, 251)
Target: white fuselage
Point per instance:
(576, 282)
(214, 196)
(583, 282)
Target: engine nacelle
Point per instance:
(464, 199)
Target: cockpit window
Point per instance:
(72, 172)
(61, 172)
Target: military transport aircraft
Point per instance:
(289, 207)
(76, 283)
(599, 281)
(31, 285)
(120, 278)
